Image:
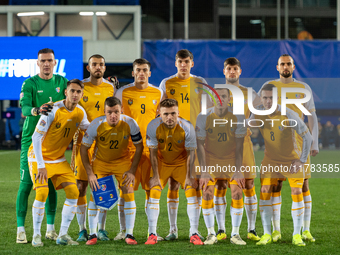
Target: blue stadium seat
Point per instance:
(33, 2)
(115, 2)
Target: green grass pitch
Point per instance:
(324, 225)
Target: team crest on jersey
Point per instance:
(172, 91)
(154, 102)
(102, 138)
(130, 101)
(57, 89)
(85, 98)
(42, 123)
(209, 130)
(281, 128)
(103, 187)
(179, 141)
(161, 140)
(111, 195)
(197, 91)
(100, 198)
(58, 125)
(126, 137)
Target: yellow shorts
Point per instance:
(58, 173)
(143, 172)
(102, 169)
(79, 170)
(276, 171)
(248, 161)
(178, 173)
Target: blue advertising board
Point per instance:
(18, 60)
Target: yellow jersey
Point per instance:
(54, 133)
(278, 132)
(187, 92)
(141, 105)
(112, 142)
(220, 140)
(172, 144)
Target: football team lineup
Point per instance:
(156, 137)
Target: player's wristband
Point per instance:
(35, 111)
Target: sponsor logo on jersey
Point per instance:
(40, 91)
(111, 195)
(130, 101)
(100, 199)
(97, 94)
(102, 138)
(161, 140)
(103, 187)
(184, 86)
(172, 91)
(210, 130)
(42, 123)
(142, 97)
(281, 128)
(154, 102)
(85, 98)
(57, 89)
(58, 125)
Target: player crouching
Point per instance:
(111, 157)
(46, 159)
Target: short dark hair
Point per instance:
(45, 50)
(232, 61)
(184, 54)
(223, 88)
(168, 103)
(96, 56)
(112, 101)
(267, 87)
(77, 81)
(285, 55)
(140, 61)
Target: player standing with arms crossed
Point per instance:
(286, 67)
(96, 90)
(35, 94)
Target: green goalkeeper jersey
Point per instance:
(34, 93)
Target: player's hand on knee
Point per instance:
(190, 182)
(93, 182)
(295, 166)
(128, 178)
(42, 175)
(239, 178)
(154, 181)
(203, 183)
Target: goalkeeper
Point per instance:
(36, 98)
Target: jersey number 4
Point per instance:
(97, 106)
